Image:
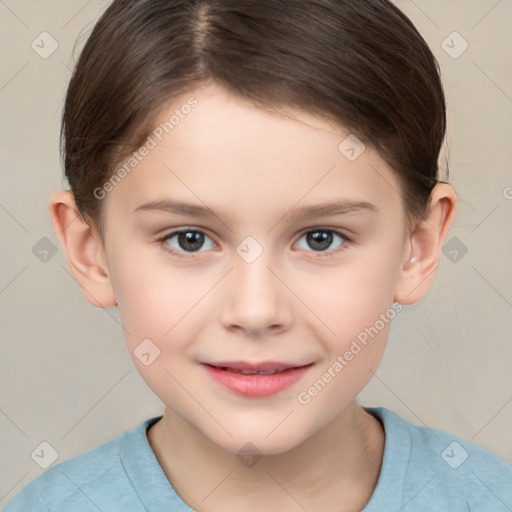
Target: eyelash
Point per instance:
(192, 255)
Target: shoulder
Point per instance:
(442, 468)
(85, 482)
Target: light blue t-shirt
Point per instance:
(423, 469)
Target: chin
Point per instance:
(254, 441)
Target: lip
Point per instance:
(257, 384)
(263, 366)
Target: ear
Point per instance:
(84, 250)
(423, 252)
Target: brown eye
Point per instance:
(190, 240)
(322, 242)
(186, 241)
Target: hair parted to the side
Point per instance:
(360, 64)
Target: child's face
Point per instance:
(292, 304)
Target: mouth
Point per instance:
(249, 372)
(256, 379)
(262, 368)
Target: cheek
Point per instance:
(355, 307)
(153, 298)
(157, 310)
(351, 298)
(358, 308)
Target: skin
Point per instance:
(254, 168)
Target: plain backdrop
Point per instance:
(66, 377)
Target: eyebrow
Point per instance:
(341, 207)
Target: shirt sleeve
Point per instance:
(29, 499)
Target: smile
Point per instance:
(256, 380)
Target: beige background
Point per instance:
(65, 375)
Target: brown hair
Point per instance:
(362, 64)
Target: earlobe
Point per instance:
(83, 248)
(425, 243)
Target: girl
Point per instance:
(255, 185)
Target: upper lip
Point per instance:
(263, 366)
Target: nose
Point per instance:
(255, 301)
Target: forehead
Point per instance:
(229, 154)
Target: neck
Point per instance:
(337, 468)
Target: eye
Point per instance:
(185, 241)
(321, 239)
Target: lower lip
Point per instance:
(257, 385)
